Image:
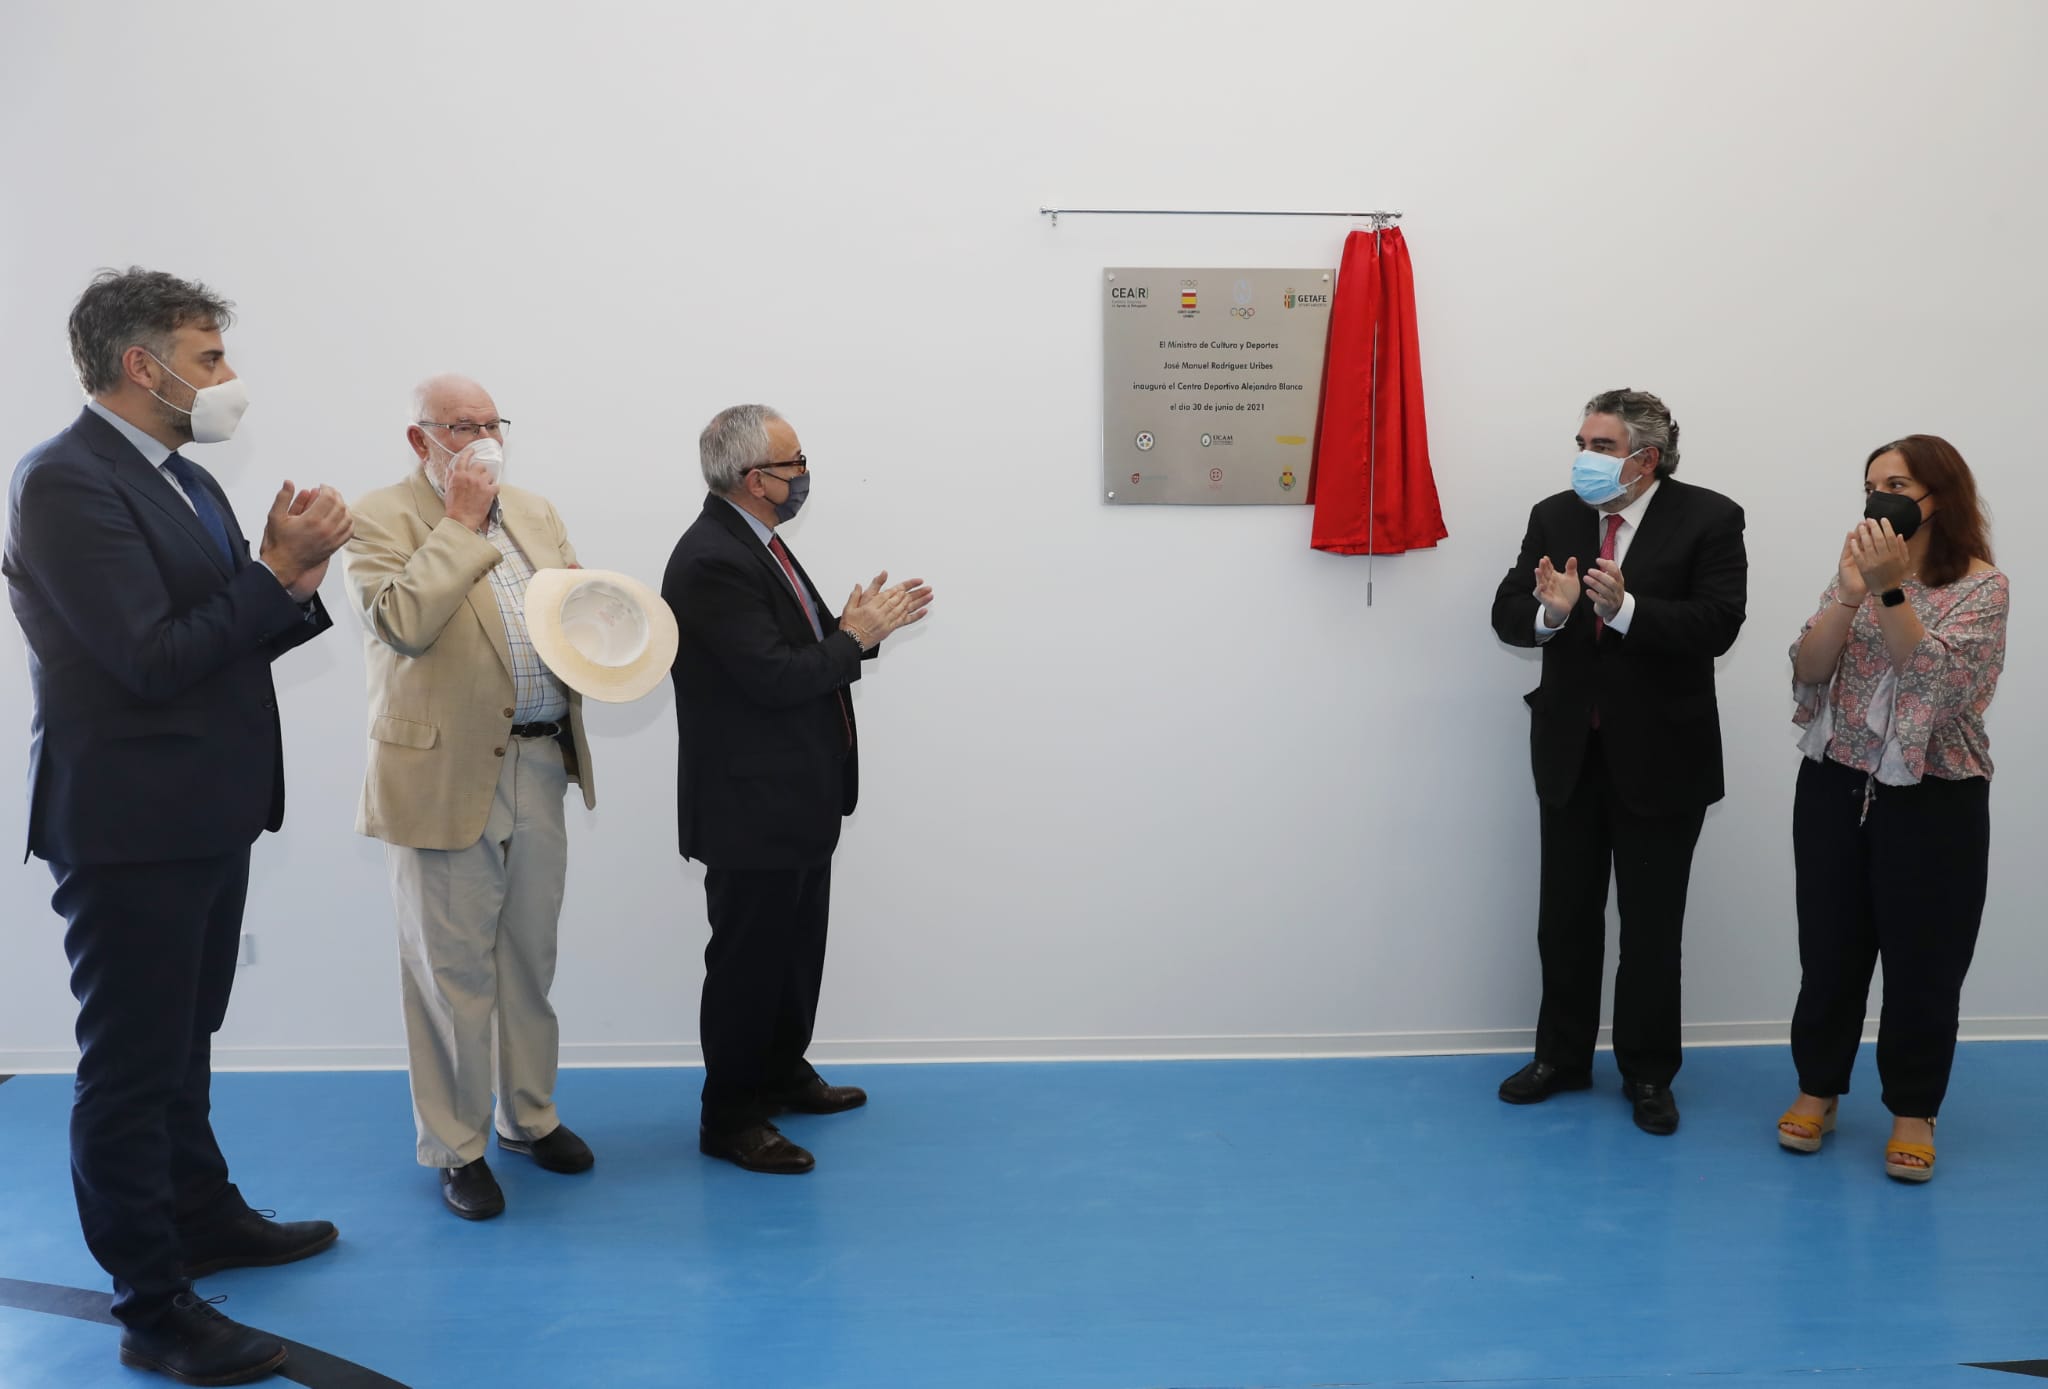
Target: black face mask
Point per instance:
(1902, 512)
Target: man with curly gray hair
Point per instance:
(1632, 583)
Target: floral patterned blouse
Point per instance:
(1927, 720)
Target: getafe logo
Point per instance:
(1291, 300)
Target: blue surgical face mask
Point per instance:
(1596, 477)
(799, 488)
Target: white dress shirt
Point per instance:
(1631, 518)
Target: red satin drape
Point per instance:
(1371, 484)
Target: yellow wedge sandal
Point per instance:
(1822, 1125)
(1907, 1171)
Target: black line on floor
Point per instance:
(315, 1369)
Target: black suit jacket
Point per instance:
(155, 734)
(1654, 688)
(767, 759)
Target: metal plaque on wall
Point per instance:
(1210, 384)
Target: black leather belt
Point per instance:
(537, 730)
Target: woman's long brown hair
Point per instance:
(1959, 532)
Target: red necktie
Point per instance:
(781, 553)
(1607, 552)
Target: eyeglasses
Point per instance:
(467, 430)
(800, 463)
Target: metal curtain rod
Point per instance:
(1378, 219)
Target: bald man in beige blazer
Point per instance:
(473, 743)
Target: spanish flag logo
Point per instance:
(1187, 299)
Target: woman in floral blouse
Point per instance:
(1891, 822)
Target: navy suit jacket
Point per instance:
(155, 734)
(1654, 688)
(768, 760)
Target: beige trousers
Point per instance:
(476, 943)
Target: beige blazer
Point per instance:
(438, 664)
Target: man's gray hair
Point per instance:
(734, 441)
(128, 308)
(429, 390)
(1648, 422)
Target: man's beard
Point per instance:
(176, 422)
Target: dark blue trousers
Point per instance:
(153, 949)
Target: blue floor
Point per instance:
(1130, 1226)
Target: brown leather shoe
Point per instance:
(816, 1097)
(758, 1148)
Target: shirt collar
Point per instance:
(762, 533)
(152, 449)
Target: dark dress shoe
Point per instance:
(251, 1241)
(471, 1191)
(758, 1148)
(560, 1151)
(1656, 1110)
(1539, 1080)
(194, 1344)
(816, 1097)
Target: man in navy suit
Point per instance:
(768, 766)
(155, 761)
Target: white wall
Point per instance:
(1150, 780)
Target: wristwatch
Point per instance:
(1892, 597)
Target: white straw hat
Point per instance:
(605, 635)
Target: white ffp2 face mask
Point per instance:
(215, 411)
(486, 451)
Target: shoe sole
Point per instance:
(814, 1109)
(243, 1376)
(1557, 1089)
(524, 1149)
(750, 1167)
(1799, 1144)
(213, 1266)
(1909, 1174)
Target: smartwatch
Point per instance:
(1892, 597)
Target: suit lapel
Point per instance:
(728, 516)
(483, 600)
(1653, 536)
(133, 472)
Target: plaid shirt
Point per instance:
(538, 697)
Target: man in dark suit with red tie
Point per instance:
(155, 761)
(1632, 583)
(768, 765)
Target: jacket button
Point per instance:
(508, 713)
(499, 751)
